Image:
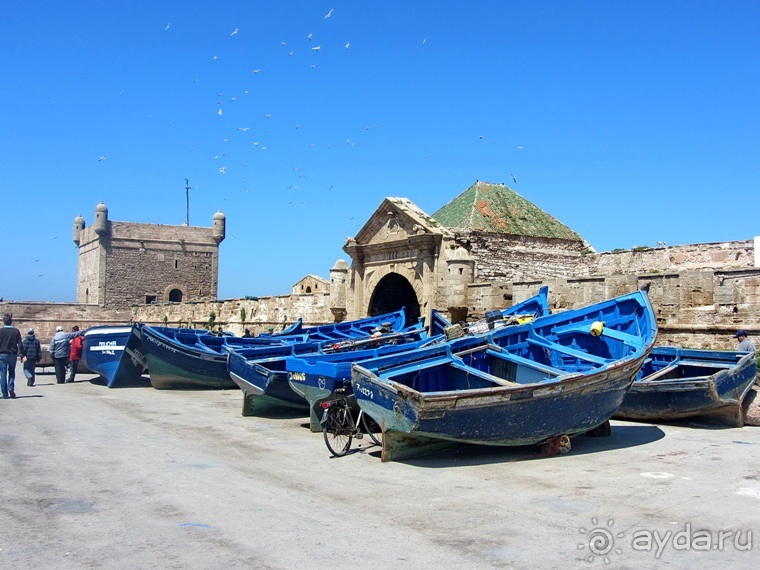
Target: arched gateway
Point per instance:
(398, 259)
(390, 294)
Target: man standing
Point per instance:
(60, 348)
(75, 354)
(31, 352)
(10, 348)
(745, 345)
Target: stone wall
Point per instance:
(724, 255)
(508, 257)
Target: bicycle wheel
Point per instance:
(373, 429)
(337, 430)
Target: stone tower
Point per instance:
(123, 263)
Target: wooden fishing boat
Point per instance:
(540, 382)
(317, 376)
(677, 383)
(188, 358)
(263, 376)
(115, 354)
(394, 321)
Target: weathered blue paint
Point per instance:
(396, 321)
(519, 385)
(114, 353)
(678, 383)
(316, 376)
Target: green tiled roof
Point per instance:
(499, 209)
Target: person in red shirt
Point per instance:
(75, 354)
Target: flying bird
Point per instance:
(169, 25)
(244, 129)
(316, 48)
(347, 45)
(513, 178)
(309, 37)
(424, 40)
(329, 13)
(234, 32)
(255, 71)
(101, 158)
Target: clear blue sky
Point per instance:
(631, 122)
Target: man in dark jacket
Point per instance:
(60, 348)
(31, 351)
(10, 347)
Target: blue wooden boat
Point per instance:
(262, 373)
(677, 383)
(115, 354)
(316, 376)
(394, 321)
(188, 358)
(539, 382)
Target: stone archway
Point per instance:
(174, 294)
(391, 293)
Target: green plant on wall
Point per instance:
(211, 320)
(242, 315)
(166, 320)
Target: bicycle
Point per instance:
(339, 426)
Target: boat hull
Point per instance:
(539, 382)
(706, 384)
(174, 365)
(115, 354)
(494, 416)
(262, 384)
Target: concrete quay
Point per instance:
(140, 478)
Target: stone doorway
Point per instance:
(391, 293)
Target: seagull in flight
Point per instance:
(329, 13)
(513, 178)
(255, 71)
(169, 25)
(309, 37)
(244, 129)
(101, 158)
(316, 48)
(234, 32)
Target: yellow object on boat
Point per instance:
(596, 328)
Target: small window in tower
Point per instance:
(176, 264)
(308, 289)
(461, 270)
(150, 299)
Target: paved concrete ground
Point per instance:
(140, 478)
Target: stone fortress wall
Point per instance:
(696, 305)
(701, 293)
